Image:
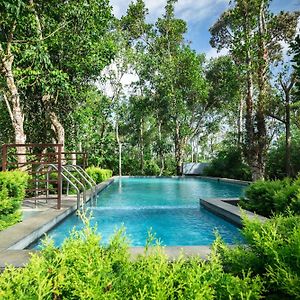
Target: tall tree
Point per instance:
(296, 50)
(177, 81)
(253, 36)
(48, 51)
(13, 17)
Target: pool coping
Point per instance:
(228, 211)
(16, 238)
(221, 179)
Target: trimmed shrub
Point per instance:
(84, 269)
(99, 174)
(12, 193)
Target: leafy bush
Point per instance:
(229, 164)
(83, 269)
(151, 168)
(12, 193)
(272, 252)
(99, 174)
(260, 197)
(273, 197)
(275, 167)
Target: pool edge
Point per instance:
(224, 209)
(13, 252)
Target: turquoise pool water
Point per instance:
(167, 206)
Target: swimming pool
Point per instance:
(167, 206)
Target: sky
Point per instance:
(199, 15)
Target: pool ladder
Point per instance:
(73, 181)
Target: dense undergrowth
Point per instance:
(84, 269)
(228, 164)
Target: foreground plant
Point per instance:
(272, 252)
(84, 269)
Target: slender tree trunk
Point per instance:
(13, 103)
(287, 87)
(141, 142)
(120, 147)
(161, 153)
(192, 154)
(178, 150)
(288, 139)
(240, 122)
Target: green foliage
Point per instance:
(296, 50)
(273, 197)
(12, 193)
(272, 252)
(99, 174)
(83, 269)
(259, 197)
(276, 166)
(151, 168)
(229, 164)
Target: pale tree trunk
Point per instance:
(192, 145)
(250, 149)
(141, 144)
(57, 127)
(12, 100)
(119, 146)
(240, 122)
(178, 150)
(73, 159)
(161, 153)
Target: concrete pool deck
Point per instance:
(38, 220)
(227, 209)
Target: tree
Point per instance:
(48, 51)
(226, 91)
(296, 50)
(13, 17)
(252, 34)
(177, 82)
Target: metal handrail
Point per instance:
(82, 175)
(66, 178)
(87, 175)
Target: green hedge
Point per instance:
(99, 174)
(273, 197)
(82, 269)
(12, 193)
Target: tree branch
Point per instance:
(276, 118)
